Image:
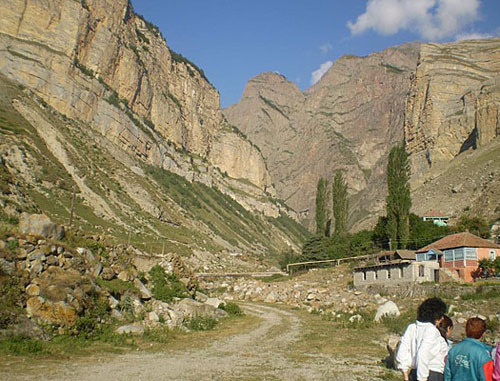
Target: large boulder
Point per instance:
(190, 308)
(387, 309)
(40, 224)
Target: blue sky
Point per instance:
(234, 40)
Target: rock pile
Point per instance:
(58, 286)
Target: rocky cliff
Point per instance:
(453, 104)
(94, 100)
(440, 99)
(349, 120)
(99, 62)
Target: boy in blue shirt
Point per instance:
(470, 360)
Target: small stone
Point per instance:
(145, 293)
(113, 302)
(36, 267)
(152, 316)
(215, 302)
(116, 314)
(133, 329)
(33, 290)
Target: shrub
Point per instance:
(201, 323)
(166, 286)
(482, 294)
(19, 345)
(232, 309)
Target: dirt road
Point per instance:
(262, 354)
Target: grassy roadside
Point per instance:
(32, 354)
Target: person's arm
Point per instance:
(403, 355)
(488, 370)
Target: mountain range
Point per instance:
(100, 118)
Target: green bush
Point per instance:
(166, 286)
(482, 294)
(19, 345)
(158, 335)
(475, 225)
(232, 309)
(201, 323)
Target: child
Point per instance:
(470, 360)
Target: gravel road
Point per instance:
(262, 354)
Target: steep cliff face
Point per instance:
(349, 120)
(453, 104)
(440, 99)
(92, 99)
(99, 62)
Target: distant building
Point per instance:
(459, 253)
(437, 217)
(396, 267)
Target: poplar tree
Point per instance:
(340, 204)
(321, 206)
(398, 201)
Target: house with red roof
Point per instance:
(437, 217)
(459, 253)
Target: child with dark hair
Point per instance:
(418, 354)
(445, 327)
(470, 360)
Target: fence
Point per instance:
(335, 262)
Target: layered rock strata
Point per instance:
(349, 121)
(99, 62)
(453, 104)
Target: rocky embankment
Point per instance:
(329, 292)
(45, 282)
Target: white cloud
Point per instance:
(430, 19)
(472, 36)
(317, 74)
(325, 48)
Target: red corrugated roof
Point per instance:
(459, 240)
(434, 213)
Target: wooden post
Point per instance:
(72, 207)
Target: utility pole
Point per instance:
(72, 207)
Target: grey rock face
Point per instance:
(40, 224)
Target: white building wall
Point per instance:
(410, 273)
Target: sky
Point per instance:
(235, 40)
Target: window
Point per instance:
(401, 272)
(470, 253)
(364, 275)
(459, 254)
(421, 271)
(493, 255)
(448, 255)
(388, 273)
(420, 257)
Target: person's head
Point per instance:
(431, 310)
(445, 327)
(475, 328)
